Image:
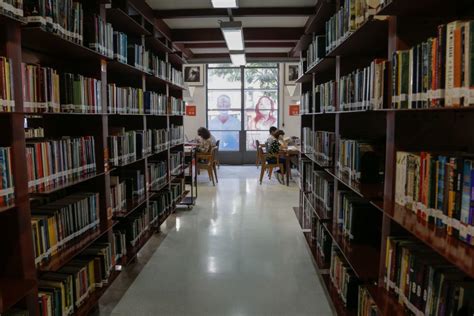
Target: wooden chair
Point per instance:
(258, 160)
(216, 159)
(205, 161)
(269, 166)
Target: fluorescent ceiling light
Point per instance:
(238, 58)
(233, 35)
(224, 3)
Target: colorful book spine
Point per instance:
(58, 162)
(7, 192)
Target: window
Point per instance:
(242, 99)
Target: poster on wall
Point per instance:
(190, 110)
(291, 73)
(193, 74)
(294, 110)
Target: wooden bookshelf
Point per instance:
(419, 129)
(20, 42)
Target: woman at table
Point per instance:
(274, 150)
(206, 140)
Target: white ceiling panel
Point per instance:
(179, 4)
(194, 23)
(248, 50)
(203, 4)
(276, 3)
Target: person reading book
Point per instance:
(271, 130)
(273, 150)
(206, 140)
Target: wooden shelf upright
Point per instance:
(23, 43)
(397, 25)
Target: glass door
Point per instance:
(242, 104)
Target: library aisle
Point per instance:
(240, 251)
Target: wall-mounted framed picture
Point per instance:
(193, 74)
(291, 73)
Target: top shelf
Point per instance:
(122, 22)
(423, 7)
(39, 40)
(370, 38)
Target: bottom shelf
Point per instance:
(14, 290)
(335, 298)
(386, 304)
(94, 298)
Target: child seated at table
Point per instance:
(273, 151)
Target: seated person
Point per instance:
(274, 150)
(205, 142)
(271, 130)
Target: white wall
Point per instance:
(290, 124)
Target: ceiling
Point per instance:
(272, 28)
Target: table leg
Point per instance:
(288, 171)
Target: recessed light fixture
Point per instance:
(233, 35)
(238, 58)
(224, 3)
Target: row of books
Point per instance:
(44, 90)
(323, 241)
(123, 146)
(7, 103)
(34, 132)
(325, 97)
(175, 76)
(155, 103)
(320, 144)
(12, 7)
(176, 191)
(159, 140)
(424, 282)
(176, 134)
(157, 175)
(120, 47)
(159, 67)
(63, 17)
(321, 194)
(176, 163)
(438, 188)
(64, 291)
(343, 279)
(316, 50)
(99, 35)
(357, 219)
(366, 305)
(363, 89)
(361, 161)
(56, 224)
(118, 196)
(348, 18)
(122, 100)
(437, 72)
(177, 106)
(7, 192)
(135, 185)
(139, 57)
(57, 162)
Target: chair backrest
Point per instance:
(214, 152)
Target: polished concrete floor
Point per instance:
(239, 251)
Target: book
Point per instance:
(62, 17)
(99, 35)
(58, 162)
(176, 163)
(343, 279)
(424, 282)
(437, 188)
(7, 192)
(360, 161)
(366, 304)
(120, 48)
(177, 106)
(363, 89)
(41, 89)
(176, 134)
(157, 175)
(7, 103)
(123, 100)
(55, 225)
